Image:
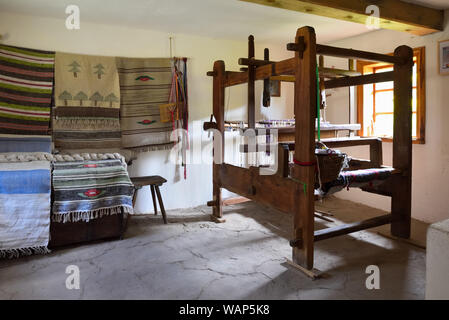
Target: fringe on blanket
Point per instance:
(85, 216)
(16, 253)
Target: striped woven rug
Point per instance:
(26, 82)
(86, 190)
(144, 85)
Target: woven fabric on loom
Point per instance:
(26, 82)
(144, 85)
(90, 189)
(87, 102)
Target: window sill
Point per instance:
(414, 140)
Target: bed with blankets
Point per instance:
(51, 200)
(92, 198)
(56, 109)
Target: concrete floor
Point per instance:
(244, 258)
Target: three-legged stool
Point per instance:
(154, 182)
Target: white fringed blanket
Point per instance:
(24, 208)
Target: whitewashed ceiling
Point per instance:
(230, 19)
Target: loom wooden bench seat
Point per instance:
(154, 182)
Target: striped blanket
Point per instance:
(85, 190)
(24, 208)
(144, 85)
(26, 82)
(87, 102)
(24, 143)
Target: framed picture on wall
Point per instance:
(443, 57)
(275, 88)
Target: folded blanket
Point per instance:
(357, 179)
(24, 208)
(24, 143)
(144, 85)
(85, 190)
(26, 81)
(87, 102)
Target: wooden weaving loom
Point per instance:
(292, 191)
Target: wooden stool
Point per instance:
(154, 182)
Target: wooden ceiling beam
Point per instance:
(394, 14)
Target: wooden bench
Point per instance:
(154, 182)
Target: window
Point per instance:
(375, 101)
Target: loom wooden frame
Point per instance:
(294, 194)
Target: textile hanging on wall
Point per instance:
(144, 85)
(85, 190)
(180, 88)
(87, 102)
(24, 143)
(24, 208)
(26, 82)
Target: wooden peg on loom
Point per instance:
(266, 82)
(300, 46)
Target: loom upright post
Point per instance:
(251, 85)
(305, 113)
(402, 143)
(218, 146)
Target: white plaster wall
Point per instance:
(96, 39)
(430, 188)
(437, 261)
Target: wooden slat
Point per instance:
(234, 200)
(332, 72)
(359, 80)
(324, 72)
(348, 228)
(350, 142)
(244, 148)
(394, 15)
(272, 190)
(254, 62)
(283, 67)
(283, 78)
(328, 233)
(356, 54)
